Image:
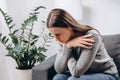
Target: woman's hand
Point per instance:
(81, 41)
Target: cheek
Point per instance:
(66, 37)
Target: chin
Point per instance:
(64, 42)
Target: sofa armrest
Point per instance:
(44, 70)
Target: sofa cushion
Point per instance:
(112, 44)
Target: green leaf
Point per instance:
(33, 42)
(7, 18)
(3, 39)
(25, 41)
(42, 49)
(14, 39)
(33, 51)
(9, 48)
(41, 57)
(12, 26)
(18, 48)
(35, 36)
(30, 20)
(2, 12)
(36, 9)
(8, 55)
(36, 12)
(9, 22)
(0, 36)
(15, 31)
(6, 41)
(11, 55)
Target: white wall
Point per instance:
(101, 14)
(3, 63)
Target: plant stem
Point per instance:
(29, 36)
(45, 42)
(22, 35)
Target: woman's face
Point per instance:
(61, 34)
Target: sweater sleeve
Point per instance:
(62, 59)
(86, 58)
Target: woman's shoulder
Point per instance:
(95, 34)
(93, 31)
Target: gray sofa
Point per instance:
(45, 70)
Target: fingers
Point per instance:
(88, 40)
(87, 43)
(84, 46)
(87, 36)
(82, 41)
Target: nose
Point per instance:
(57, 39)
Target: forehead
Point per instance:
(57, 29)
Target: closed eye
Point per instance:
(53, 35)
(57, 34)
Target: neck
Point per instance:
(76, 34)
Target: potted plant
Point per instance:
(21, 43)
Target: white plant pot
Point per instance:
(23, 74)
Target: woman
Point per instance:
(83, 55)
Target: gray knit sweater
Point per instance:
(79, 61)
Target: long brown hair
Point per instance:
(61, 18)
